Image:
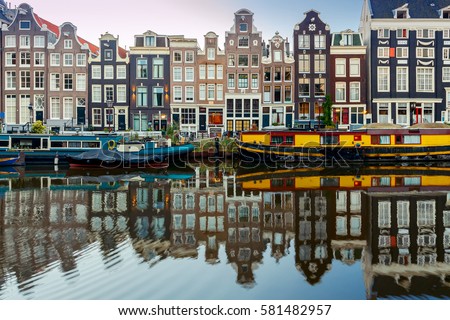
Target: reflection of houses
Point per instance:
(313, 250)
(149, 218)
(42, 223)
(183, 219)
(278, 215)
(410, 244)
(244, 223)
(349, 238)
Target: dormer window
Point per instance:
(347, 39)
(402, 14)
(150, 41)
(446, 13)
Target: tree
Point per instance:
(38, 127)
(327, 107)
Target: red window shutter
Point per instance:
(392, 52)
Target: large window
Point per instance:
(55, 111)
(178, 94)
(189, 94)
(109, 72)
(304, 41)
(177, 74)
(11, 59)
(383, 79)
(68, 81)
(189, 74)
(142, 98)
(304, 64)
(68, 59)
(10, 108)
(340, 67)
(54, 81)
(243, 81)
(425, 53)
(39, 80)
(319, 41)
(425, 79)
(303, 87)
(340, 91)
(25, 79)
(39, 59)
(187, 115)
(11, 80)
(158, 97)
(142, 69)
(96, 93)
(402, 79)
(319, 63)
(158, 68)
(354, 67)
(355, 92)
(319, 87)
(68, 108)
(121, 93)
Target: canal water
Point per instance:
(221, 231)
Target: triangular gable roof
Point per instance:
(53, 28)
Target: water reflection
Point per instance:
(392, 221)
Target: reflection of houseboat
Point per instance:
(370, 144)
(43, 149)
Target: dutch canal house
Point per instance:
(408, 60)
(44, 71)
(348, 80)
(277, 65)
(312, 53)
(149, 82)
(243, 47)
(109, 99)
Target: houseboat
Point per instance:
(372, 143)
(157, 148)
(45, 149)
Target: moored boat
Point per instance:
(115, 159)
(18, 160)
(369, 144)
(47, 149)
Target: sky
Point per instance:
(191, 18)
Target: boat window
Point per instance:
(381, 139)
(4, 143)
(58, 144)
(409, 139)
(91, 144)
(45, 143)
(289, 140)
(74, 144)
(329, 182)
(328, 139)
(276, 140)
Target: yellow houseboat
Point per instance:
(376, 179)
(368, 144)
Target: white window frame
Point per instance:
(39, 42)
(383, 79)
(428, 84)
(121, 72)
(108, 71)
(121, 93)
(352, 87)
(96, 72)
(81, 59)
(55, 59)
(402, 79)
(96, 93)
(81, 82)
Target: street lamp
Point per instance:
(109, 104)
(319, 103)
(30, 107)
